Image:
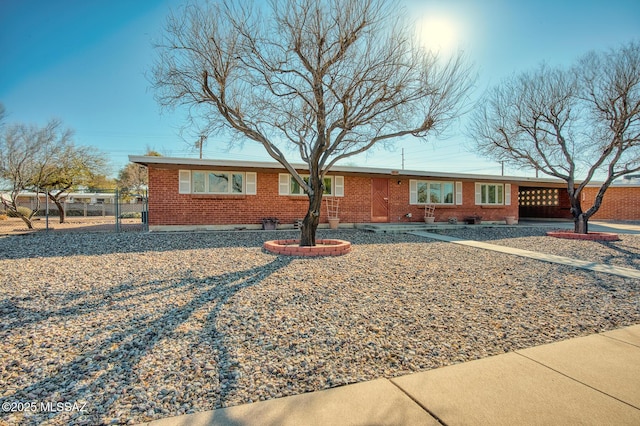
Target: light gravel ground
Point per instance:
(625, 252)
(143, 326)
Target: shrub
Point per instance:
(75, 212)
(130, 215)
(24, 211)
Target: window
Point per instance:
(213, 182)
(493, 193)
(333, 185)
(431, 192)
(296, 189)
(205, 182)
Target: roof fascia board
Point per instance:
(148, 160)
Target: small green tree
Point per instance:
(74, 166)
(135, 177)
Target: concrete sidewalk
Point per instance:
(590, 380)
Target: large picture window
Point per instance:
(434, 192)
(211, 182)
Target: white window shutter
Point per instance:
(507, 194)
(413, 191)
(283, 187)
(459, 193)
(184, 178)
(478, 194)
(251, 183)
(338, 182)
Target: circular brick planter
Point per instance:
(322, 248)
(591, 236)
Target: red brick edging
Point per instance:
(324, 248)
(591, 236)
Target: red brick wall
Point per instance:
(620, 203)
(167, 207)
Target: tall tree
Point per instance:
(326, 79)
(568, 123)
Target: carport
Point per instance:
(543, 201)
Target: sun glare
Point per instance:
(439, 34)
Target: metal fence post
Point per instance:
(117, 210)
(145, 206)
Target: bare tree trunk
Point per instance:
(581, 224)
(312, 219)
(26, 220)
(60, 208)
(580, 219)
(13, 207)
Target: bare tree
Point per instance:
(25, 157)
(568, 123)
(43, 160)
(325, 80)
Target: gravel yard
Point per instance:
(141, 326)
(625, 252)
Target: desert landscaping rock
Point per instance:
(138, 326)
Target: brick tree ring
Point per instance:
(591, 236)
(322, 248)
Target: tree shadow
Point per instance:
(624, 254)
(102, 374)
(57, 244)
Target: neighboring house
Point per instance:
(187, 193)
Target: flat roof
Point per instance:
(273, 165)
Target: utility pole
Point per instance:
(502, 165)
(402, 158)
(200, 143)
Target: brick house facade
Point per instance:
(219, 194)
(187, 193)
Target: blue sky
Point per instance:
(84, 62)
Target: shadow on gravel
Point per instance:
(103, 373)
(89, 244)
(624, 255)
(495, 233)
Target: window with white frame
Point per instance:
(435, 192)
(333, 185)
(493, 194)
(216, 182)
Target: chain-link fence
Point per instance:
(115, 210)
